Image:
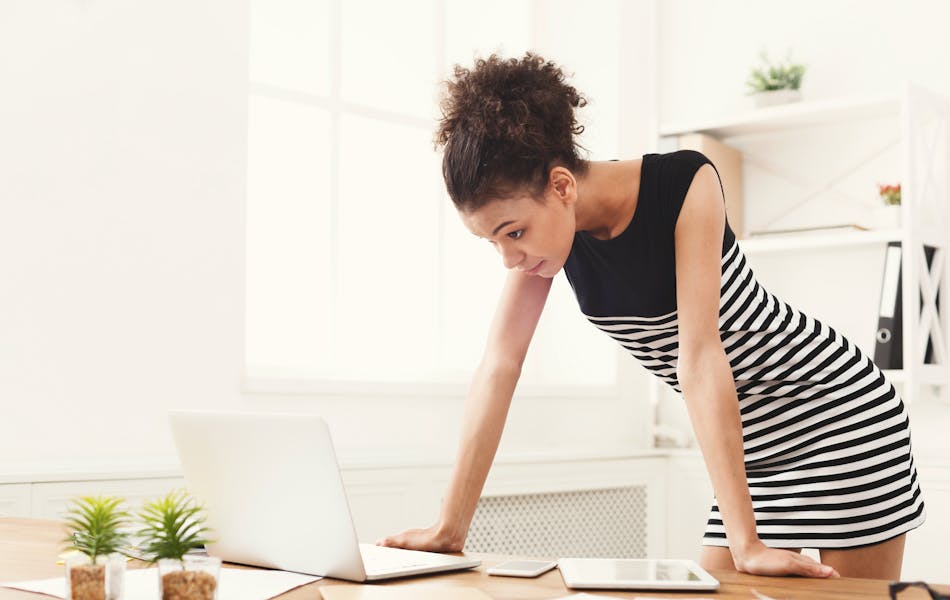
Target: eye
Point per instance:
(516, 234)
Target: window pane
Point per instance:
(480, 28)
(389, 252)
(592, 64)
(473, 275)
(390, 55)
(290, 44)
(288, 238)
(567, 348)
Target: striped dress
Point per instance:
(826, 436)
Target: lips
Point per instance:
(535, 269)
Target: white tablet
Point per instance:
(635, 574)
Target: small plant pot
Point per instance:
(774, 97)
(887, 216)
(104, 580)
(192, 578)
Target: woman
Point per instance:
(805, 442)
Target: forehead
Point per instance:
(483, 221)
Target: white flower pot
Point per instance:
(887, 216)
(773, 97)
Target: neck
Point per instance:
(606, 197)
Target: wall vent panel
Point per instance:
(605, 523)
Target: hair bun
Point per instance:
(503, 112)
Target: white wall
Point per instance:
(706, 49)
(121, 221)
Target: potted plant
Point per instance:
(888, 213)
(173, 526)
(772, 84)
(890, 194)
(94, 526)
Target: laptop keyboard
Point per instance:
(380, 559)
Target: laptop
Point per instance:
(274, 497)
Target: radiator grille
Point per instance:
(607, 523)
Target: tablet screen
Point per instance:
(653, 570)
(635, 574)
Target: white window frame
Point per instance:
(312, 385)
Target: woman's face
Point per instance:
(531, 236)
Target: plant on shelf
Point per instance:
(94, 526)
(890, 194)
(775, 83)
(172, 527)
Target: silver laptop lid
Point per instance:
(272, 488)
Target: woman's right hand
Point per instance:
(431, 539)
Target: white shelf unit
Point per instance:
(787, 242)
(789, 116)
(922, 119)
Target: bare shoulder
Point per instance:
(705, 182)
(704, 204)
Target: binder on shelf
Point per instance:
(889, 337)
(888, 341)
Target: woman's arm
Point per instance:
(708, 385)
(486, 409)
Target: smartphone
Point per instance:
(522, 568)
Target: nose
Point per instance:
(511, 257)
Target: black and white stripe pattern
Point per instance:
(826, 437)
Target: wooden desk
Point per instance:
(28, 550)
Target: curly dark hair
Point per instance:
(504, 125)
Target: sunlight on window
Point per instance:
(472, 279)
(566, 348)
(391, 58)
(389, 250)
(290, 44)
(476, 29)
(358, 267)
(288, 236)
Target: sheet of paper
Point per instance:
(142, 584)
(401, 592)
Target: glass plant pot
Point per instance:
(192, 578)
(102, 580)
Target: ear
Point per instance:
(561, 182)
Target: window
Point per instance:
(358, 268)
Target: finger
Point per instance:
(394, 541)
(809, 567)
(825, 570)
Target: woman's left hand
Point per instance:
(759, 559)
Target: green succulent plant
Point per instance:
(95, 525)
(775, 76)
(173, 525)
